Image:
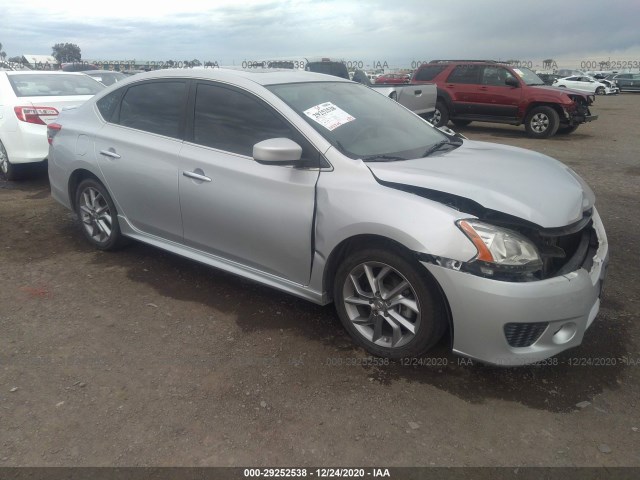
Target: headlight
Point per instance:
(499, 249)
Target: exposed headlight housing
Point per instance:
(500, 251)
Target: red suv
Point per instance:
(488, 91)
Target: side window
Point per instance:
(234, 122)
(108, 104)
(154, 107)
(495, 76)
(466, 73)
(428, 72)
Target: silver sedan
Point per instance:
(325, 189)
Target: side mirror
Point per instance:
(512, 82)
(277, 151)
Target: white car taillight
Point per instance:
(35, 114)
(52, 131)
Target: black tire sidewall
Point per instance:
(444, 113)
(432, 323)
(13, 171)
(115, 240)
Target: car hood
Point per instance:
(514, 181)
(560, 90)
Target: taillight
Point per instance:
(34, 114)
(52, 131)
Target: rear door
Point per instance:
(461, 87)
(137, 151)
(233, 207)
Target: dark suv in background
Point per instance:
(628, 81)
(489, 91)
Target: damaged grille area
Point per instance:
(564, 250)
(582, 104)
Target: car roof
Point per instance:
(270, 76)
(89, 72)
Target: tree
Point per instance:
(66, 52)
(3, 54)
(196, 63)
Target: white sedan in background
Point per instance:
(586, 84)
(29, 101)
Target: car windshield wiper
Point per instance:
(535, 84)
(382, 158)
(437, 146)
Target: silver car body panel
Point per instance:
(420, 99)
(279, 225)
(529, 185)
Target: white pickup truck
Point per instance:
(420, 99)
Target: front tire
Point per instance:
(542, 122)
(98, 215)
(388, 306)
(567, 130)
(600, 91)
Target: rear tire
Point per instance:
(98, 215)
(440, 115)
(387, 304)
(542, 122)
(8, 169)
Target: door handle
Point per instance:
(484, 88)
(196, 176)
(417, 92)
(109, 153)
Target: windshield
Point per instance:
(528, 76)
(53, 85)
(360, 122)
(107, 78)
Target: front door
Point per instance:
(233, 207)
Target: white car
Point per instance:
(584, 83)
(29, 101)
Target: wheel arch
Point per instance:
(555, 106)
(355, 242)
(75, 178)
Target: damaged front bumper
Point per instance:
(518, 323)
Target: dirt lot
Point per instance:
(143, 358)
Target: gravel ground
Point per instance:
(143, 358)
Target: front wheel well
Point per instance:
(555, 106)
(358, 242)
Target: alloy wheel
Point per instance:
(382, 304)
(95, 215)
(539, 122)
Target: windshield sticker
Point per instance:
(518, 71)
(328, 115)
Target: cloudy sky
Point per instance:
(397, 32)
